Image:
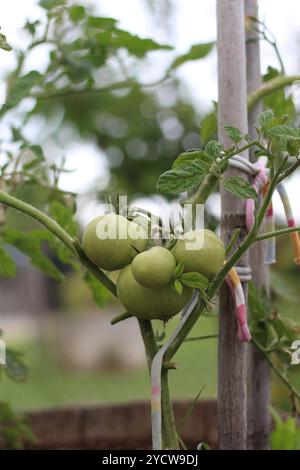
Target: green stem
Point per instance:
(36, 214)
(268, 87)
(199, 338)
(168, 424)
(170, 439)
(119, 318)
(97, 272)
(277, 370)
(233, 241)
(277, 233)
(289, 170)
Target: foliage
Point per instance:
(14, 429)
(286, 435)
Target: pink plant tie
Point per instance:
(259, 182)
(236, 288)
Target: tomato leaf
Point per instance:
(100, 293)
(178, 271)
(21, 89)
(3, 43)
(234, 134)
(7, 264)
(183, 178)
(194, 280)
(240, 187)
(177, 286)
(196, 52)
(30, 243)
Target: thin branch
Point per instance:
(277, 233)
(199, 338)
(289, 170)
(36, 214)
(277, 370)
(268, 87)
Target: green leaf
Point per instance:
(187, 157)
(63, 215)
(7, 264)
(178, 270)
(16, 369)
(288, 132)
(21, 89)
(77, 13)
(100, 293)
(38, 156)
(259, 303)
(29, 243)
(240, 187)
(183, 178)
(196, 52)
(265, 119)
(194, 280)
(117, 38)
(99, 22)
(3, 43)
(49, 4)
(177, 286)
(279, 101)
(209, 126)
(286, 435)
(213, 149)
(234, 134)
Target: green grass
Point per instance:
(49, 384)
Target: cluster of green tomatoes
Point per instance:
(145, 285)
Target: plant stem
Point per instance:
(121, 317)
(36, 214)
(277, 370)
(170, 439)
(97, 272)
(277, 233)
(268, 87)
(169, 433)
(199, 338)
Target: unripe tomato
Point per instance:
(154, 268)
(108, 241)
(150, 304)
(206, 260)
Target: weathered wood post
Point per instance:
(258, 369)
(232, 376)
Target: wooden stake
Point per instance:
(258, 368)
(232, 375)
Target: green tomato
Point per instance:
(150, 304)
(207, 259)
(154, 268)
(111, 242)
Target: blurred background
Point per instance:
(120, 142)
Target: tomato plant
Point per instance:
(155, 282)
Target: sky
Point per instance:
(192, 21)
